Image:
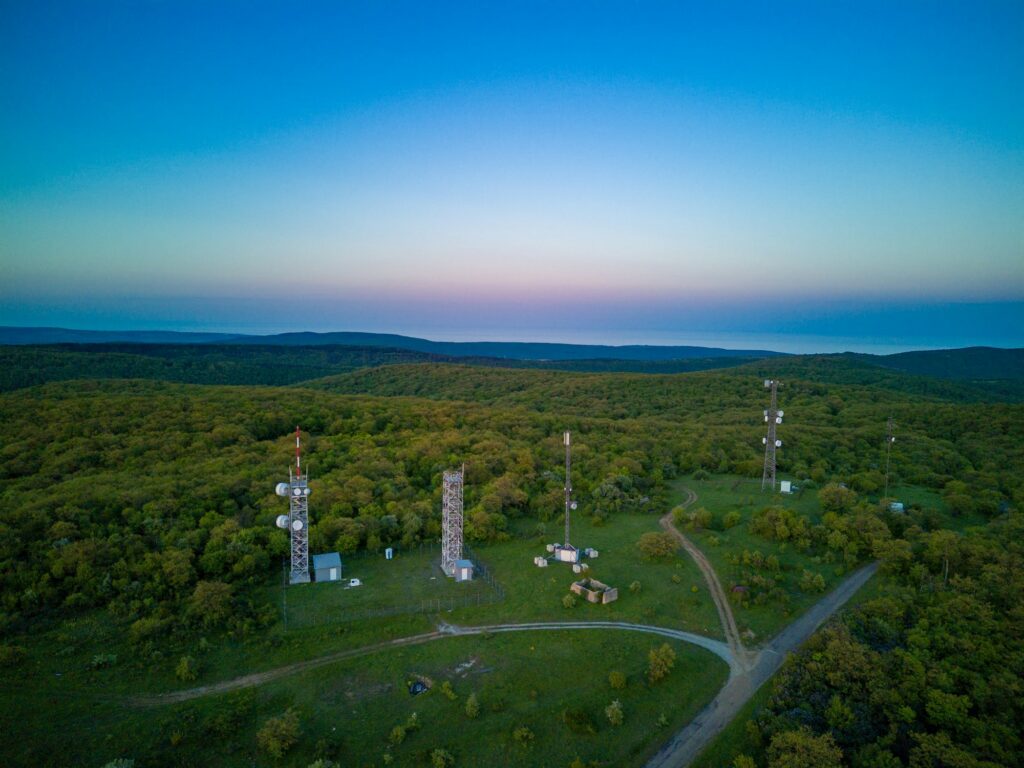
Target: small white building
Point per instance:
(463, 570)
(567, 554)
(786, 486)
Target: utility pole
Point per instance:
(890, 438)
(773, 417)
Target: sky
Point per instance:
(851, 173)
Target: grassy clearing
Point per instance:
(412, 581)
(348, 710)
(672, 592)
(724, 493)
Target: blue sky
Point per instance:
(618, 171)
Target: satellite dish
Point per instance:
(305, 491)
(281, 489)
(296, 491)
(781, 414)
(778, 419)
(282, 521)
(778, 443)
(764, 441)
(572, 505)
(297, 525)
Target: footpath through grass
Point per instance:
(348, 710)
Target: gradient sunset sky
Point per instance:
(588, 171)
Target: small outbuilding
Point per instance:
(595, 591)
(463, 570)
(327, 567)
(786, 486)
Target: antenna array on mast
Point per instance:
(297, 520)
(773, 417)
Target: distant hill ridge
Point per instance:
(496, 349)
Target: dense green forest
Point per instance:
(928, 673)
(151, 503)
(26, 366)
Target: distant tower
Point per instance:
(773, 416)
(890, 438)
(451, 520)
(297, 519)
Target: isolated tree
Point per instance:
(660, 662)
(472, 706)
(657, 545)
(187, 669)
(614, 712)
(616, 680)
(279, 734)
(442, 758)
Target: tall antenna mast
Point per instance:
(890, 438)
(297, 519)
(568, 483)
(773, 416)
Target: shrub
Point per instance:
(442, 758)
(397, 735)
(732, 519)
(614, 712)
(635, 587)
(837, 498)
(187, 669)
(12, 655)
(472, 706)
(656, 545)
(103, 660)
(663, 720)
(616, 680)
(578, 721)
(699, 519)
(448, 691)
(523, 736)
(279, 734)
(121, 762)
(660, 662)
(569, 601)
(701, 474)
(812, 582)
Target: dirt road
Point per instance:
(718, 596)
(688, 743)
(716, 647)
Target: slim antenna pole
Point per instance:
(890, 438)
(568, 483)
(774, 417)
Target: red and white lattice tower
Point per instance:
(297, 519)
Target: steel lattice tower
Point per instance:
(890, 438)
(773, 416)
(297, 519)
(451, 521)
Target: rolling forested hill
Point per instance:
(29, 365)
